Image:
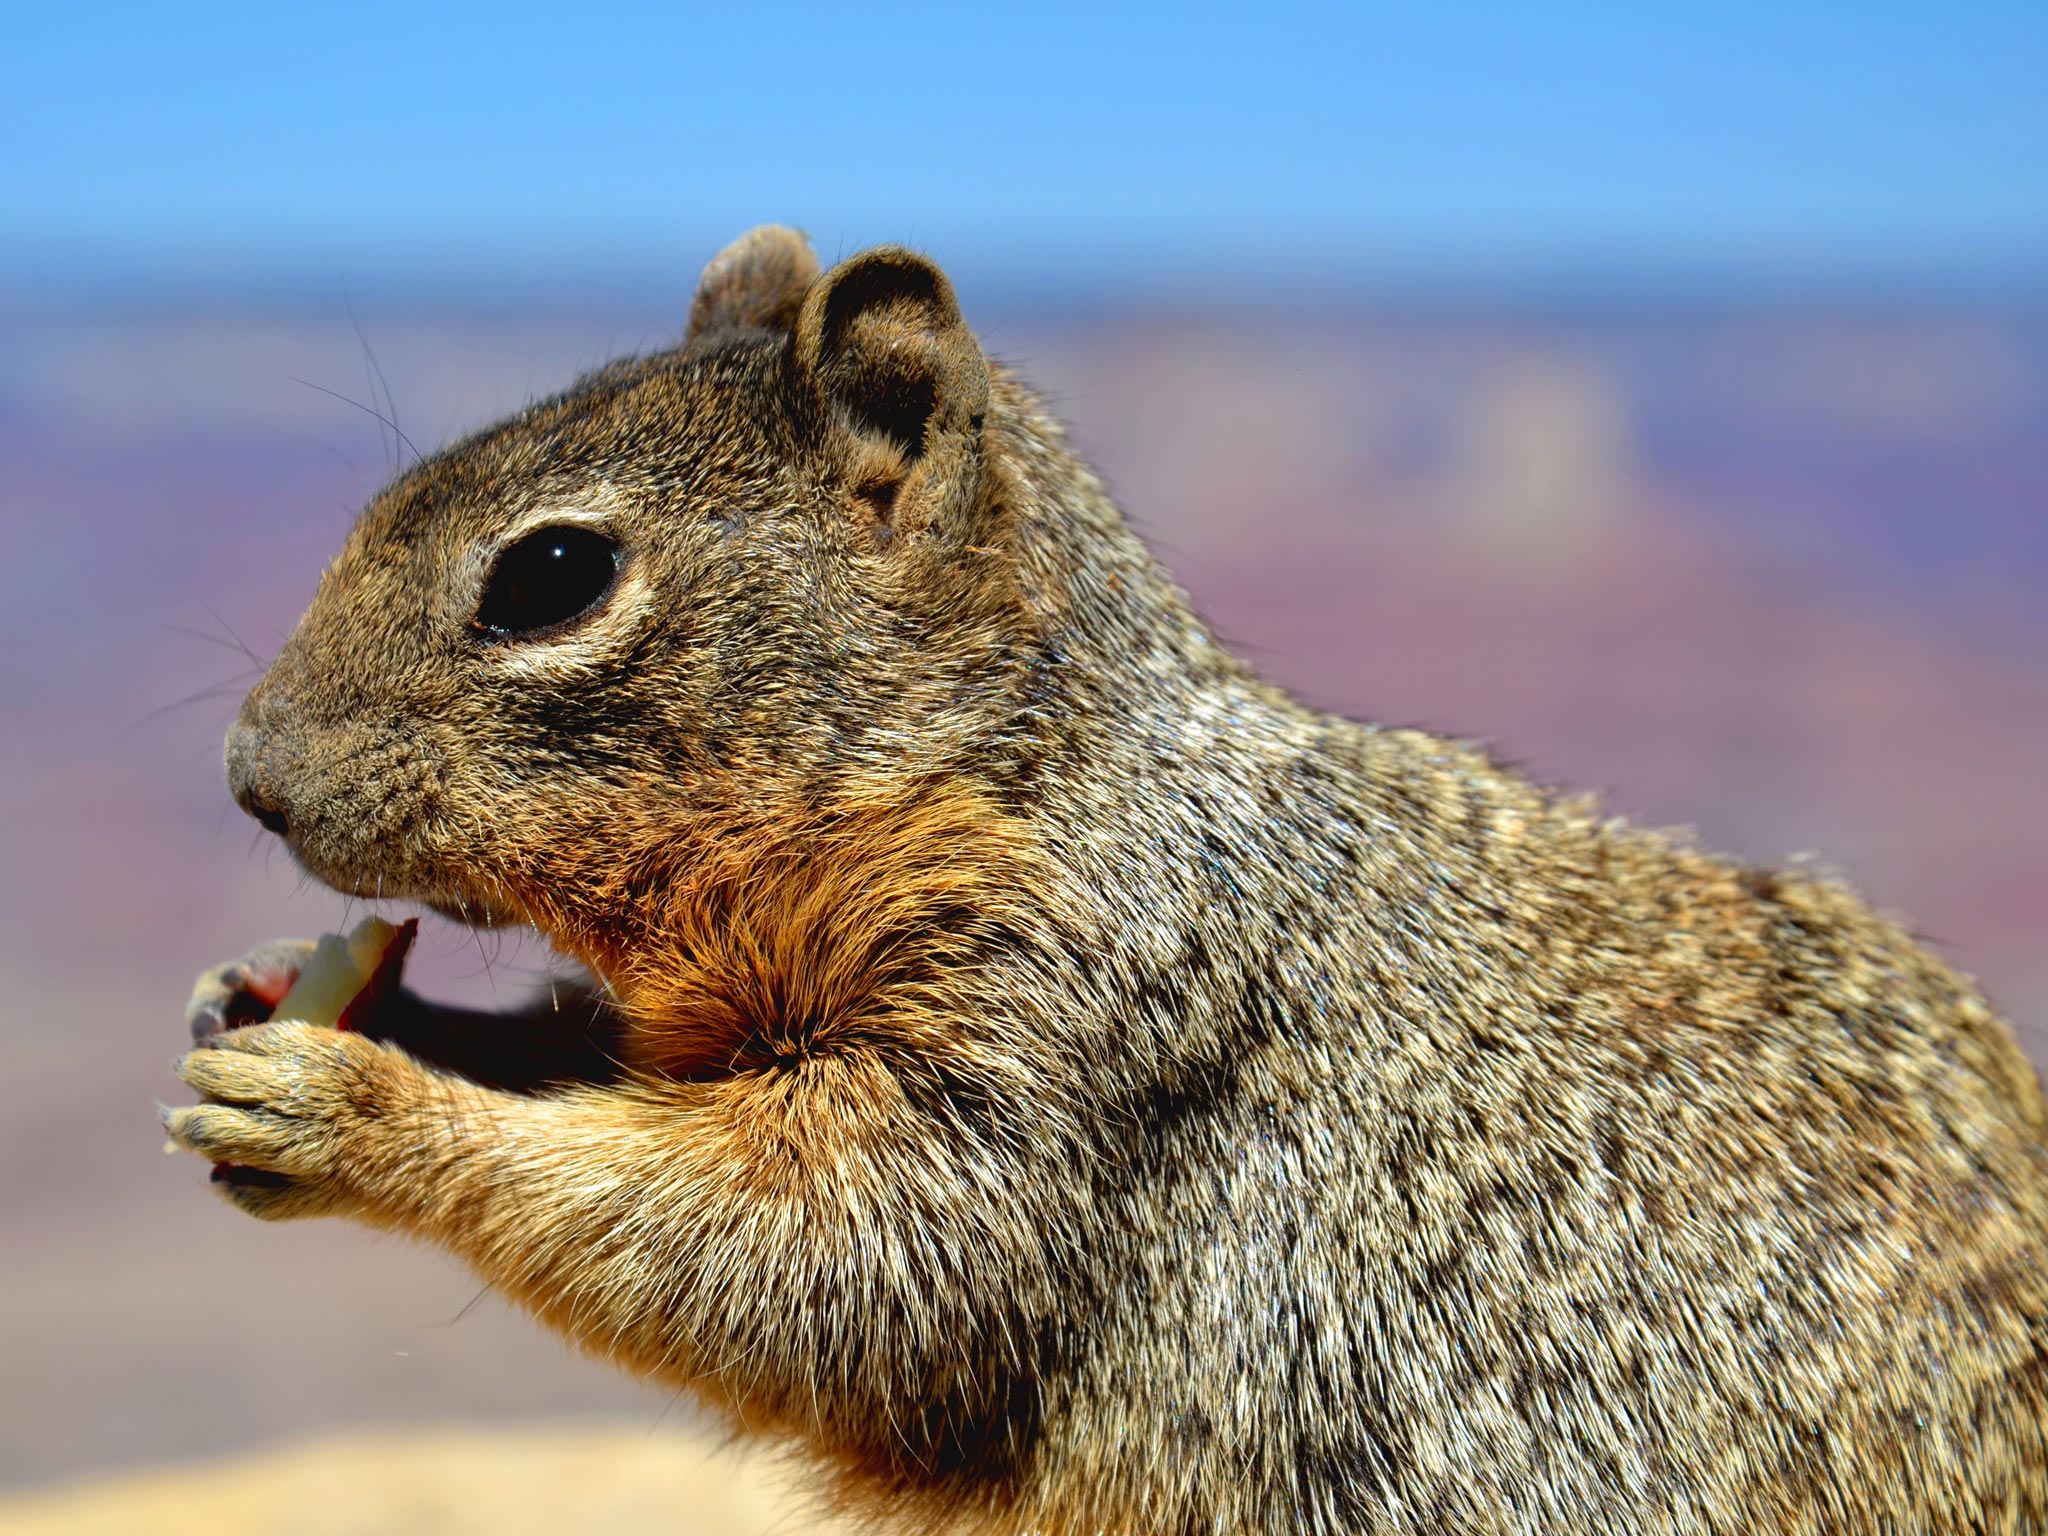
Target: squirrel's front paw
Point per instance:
(290, 1114)
(246, 990)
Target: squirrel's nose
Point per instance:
(272, 816)
(247, 784)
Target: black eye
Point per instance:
(548, 578)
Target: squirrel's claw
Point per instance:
(284, 1106)
(272, 1196)
(245, 990)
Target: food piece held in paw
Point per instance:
(346, 978)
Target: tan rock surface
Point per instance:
(436, 1481)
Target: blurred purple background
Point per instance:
(1668, 406)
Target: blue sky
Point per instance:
(1477, 137)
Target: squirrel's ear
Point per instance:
(880, 338)
(756, 283)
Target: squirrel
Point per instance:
(1045, 1076)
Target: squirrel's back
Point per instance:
(1531, 1171)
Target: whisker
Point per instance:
(377, 372)
(418, 457)
(470, 923)
(321, 442)
(468, 1307)
(201, 635)
(229, 630)
(547, 970)
(388, 445)
(228, 689)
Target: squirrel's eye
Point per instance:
(548, 578)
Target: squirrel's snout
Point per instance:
(250, 785)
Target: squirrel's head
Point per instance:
(760, 574)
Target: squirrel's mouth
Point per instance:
(472, 895)
(478, 913)
(461, 901)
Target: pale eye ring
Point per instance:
(546, 580)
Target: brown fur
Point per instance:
(746, 941)
(1052, 1080)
